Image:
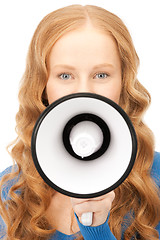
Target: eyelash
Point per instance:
(59, 75)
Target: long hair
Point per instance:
(137, 196)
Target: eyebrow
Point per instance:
(73, 68)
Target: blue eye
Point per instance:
(101, 75)
(65, 76)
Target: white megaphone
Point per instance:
(84, 145)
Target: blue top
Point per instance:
(103, 231)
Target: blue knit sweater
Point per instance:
(101, 232)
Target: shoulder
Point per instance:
(6, 171)
(155, 171)
(156, 162)
(8, 184)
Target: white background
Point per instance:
(18, 21)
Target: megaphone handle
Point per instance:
(86, 218)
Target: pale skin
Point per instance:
(83, 60)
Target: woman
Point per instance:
(81, 49)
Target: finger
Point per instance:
(84, 208)
(93, 206)
(76, 201)
(110, 195)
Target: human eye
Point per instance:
(101, 75)
(65, 76)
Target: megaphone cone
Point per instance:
(84, 145)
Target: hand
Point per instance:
(100, 207)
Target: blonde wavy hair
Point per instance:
(24, 213)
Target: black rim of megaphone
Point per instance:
(88, 95)
(92, 118)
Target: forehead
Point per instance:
(83, 44)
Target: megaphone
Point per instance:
(84, 146)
